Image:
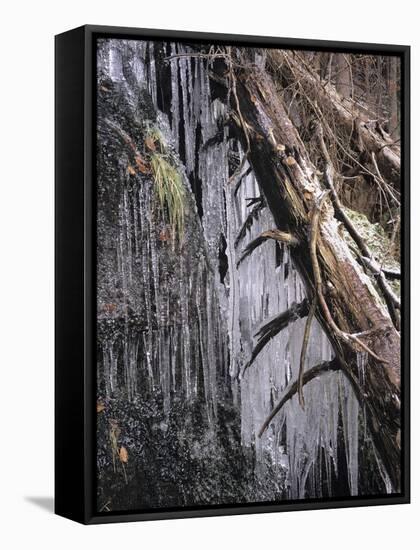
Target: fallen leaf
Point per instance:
(164, 235)
(123, 454)
(109, 308)
(150, 144)
(290, 161)
(100, 407)
(131, 170)
(142, 165)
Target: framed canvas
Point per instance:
(232, 274)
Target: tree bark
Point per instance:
(343, 76)
(394, 126)
(291, 187)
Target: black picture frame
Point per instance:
(75, 267)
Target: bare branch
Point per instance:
(327, 366)
(392, 274)
(274, 234)
(276, 325)
(253, 215)
(377, 270)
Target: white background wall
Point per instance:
(26, 272)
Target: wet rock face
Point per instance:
(176, 318)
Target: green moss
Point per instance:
(378, 242)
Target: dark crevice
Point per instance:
(223, 259)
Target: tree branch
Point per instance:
(275, 234)
(241, 179)
(326, 366)
(276, 325)
(392, 274)
(253, 215)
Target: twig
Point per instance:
(196, 55)
(378, 271)
(392, 274)
(105, 506)
(381, 179)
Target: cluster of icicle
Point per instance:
(174, 343)
(230, 312)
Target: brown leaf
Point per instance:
(164, 235)
(100, 407)
(290, 161)
(123, 454)
(131, 170)
(142, 165)
(109, 308)
(150, 144)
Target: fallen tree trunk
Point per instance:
(290, 185)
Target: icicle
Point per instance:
(152, 74)
(188, 111)
(361, 359)
(175, 96)
(115, 64)
(383, 473)
(350, 415)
